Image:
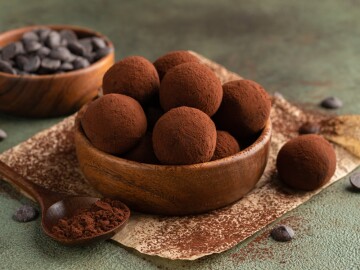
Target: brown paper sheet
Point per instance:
(49, 159)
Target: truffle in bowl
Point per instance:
(42, 94)
(173, 189)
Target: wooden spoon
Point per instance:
(55, 206)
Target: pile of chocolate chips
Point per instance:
(45, 51)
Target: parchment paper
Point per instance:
(49, 159)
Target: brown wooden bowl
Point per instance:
(55, 94)
(173, 190)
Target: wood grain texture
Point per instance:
(173, 190)
(51, 95)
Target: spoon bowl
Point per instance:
(55, 206)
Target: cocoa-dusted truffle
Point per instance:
(143, 152)
(133, 76)
(306, 162)
(114, 123)
(226, 145)
(184, 135)
(191, 84)
(172, 59)
(244, 110)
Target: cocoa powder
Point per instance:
(102, 216)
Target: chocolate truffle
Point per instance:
(133, 76)
(306, 162)
(191, 84)
(244, 110)
(143, 152)
(226, 145)
(183, 136)
(114, 123)
(173, 59)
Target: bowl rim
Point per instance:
(75, 28)
(260, 142)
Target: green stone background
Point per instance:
(306, 50)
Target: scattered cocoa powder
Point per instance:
(102, 216)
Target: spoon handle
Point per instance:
(43, 196)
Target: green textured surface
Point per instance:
(307, 50)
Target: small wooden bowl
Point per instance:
(173, 190)
(56, 94)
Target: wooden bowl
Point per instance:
(55, 94)
(173, 190)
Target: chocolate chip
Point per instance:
(80, 62)
(21, 60)
(331, 103)
(43, 34)
(98, 43)
(32, 46)
(11, 50)
(6, 67)
(32, 64)
(62, 53)
(43, 51)
(355, 180)
(32, 35)
(90, 56)
(3, 135)
(25, 213)
(76, 48)
(102, 53)
(50, 64)
(68, 36)
(87, 44)
(53, 40)
(309, 128)
(282, 233)
(66, 66)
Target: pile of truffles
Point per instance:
(46, 51)
(174, 111)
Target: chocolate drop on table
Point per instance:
(62, 53)
(33, 64)
(355, 180)
(6, 67)
(331, 103)
(50, 64)
(282, 233)
(3, 135)
(309, 128)
(11, 50)
(25, 213)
